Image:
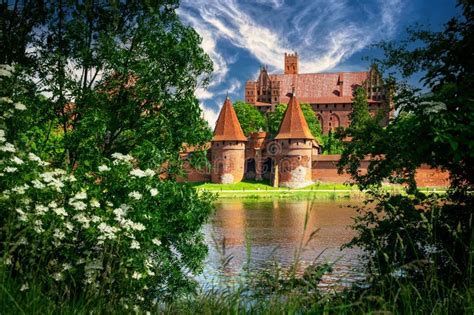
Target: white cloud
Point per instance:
(210, 115)
(323, 32)
(203, 94)
(209, 46)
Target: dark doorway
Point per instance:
(268, 170)
(250, 169)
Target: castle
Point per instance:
(329, 94)
(291, 158)
(285, 160)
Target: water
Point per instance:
(274, 229)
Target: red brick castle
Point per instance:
(291, 158)
(329, 94)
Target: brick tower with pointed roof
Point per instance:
(228, 147)
(296, 144)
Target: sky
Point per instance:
(329, 35)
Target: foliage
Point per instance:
(424, 237)
(274, 120)
(92, 123)
(331, 144)
(122, 77)
(92, 232)
(250, 118)
(360, 115)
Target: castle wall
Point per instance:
(324, 169)
(228, 160)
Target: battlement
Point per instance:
(291, 63)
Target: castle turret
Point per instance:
(291, 63)
(228, 147)
(295, 142)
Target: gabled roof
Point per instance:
(319, 85)
(227, 125)
(294, 125)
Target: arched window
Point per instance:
(335, 121)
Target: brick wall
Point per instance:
(325, 170)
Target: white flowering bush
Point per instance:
(116, 230)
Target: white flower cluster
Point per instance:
(6, 70)
(60, 214)
(2, 136)
(135, 195)
(121, 158)
(140, 173)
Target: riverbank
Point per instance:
(253, 189)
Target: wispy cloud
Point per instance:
(324, 33)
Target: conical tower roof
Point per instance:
(294, 125)
(227, 125)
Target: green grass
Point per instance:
(263, 185)
(262, 189)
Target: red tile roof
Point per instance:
(294, 125)
(319, 85)
(227, 126)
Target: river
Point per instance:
(272, 229)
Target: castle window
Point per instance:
(326, 105)
(225, 156)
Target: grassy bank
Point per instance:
(256, 190)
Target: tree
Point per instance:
(250, 118)
(274, 120)
(122, 76)
(331, 144)
(360, 109)
(119, 79)
(436, 129)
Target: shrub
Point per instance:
(117, 231)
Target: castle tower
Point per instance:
(291, 63)
(228, 147)
(295, 142)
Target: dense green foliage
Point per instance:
(360, 115)
(250, 118)
(418, 238)
(331, 143)
(92, 121)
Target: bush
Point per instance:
(117, 231)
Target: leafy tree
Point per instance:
(360, 109)
(250, 118)
(122, 77)
(119, 78)
(436, 129)
(274, 120)
(17, 21)
(331, 143)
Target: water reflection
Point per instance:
(274, 230)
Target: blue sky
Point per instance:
(335, 35)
